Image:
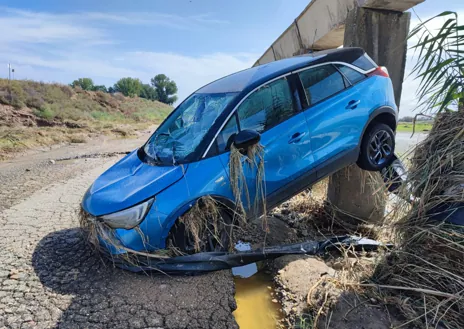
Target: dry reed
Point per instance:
(425, 274)
(252, 162)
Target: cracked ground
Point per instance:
(50, 277)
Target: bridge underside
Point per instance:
(321, 26)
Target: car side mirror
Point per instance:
(246, 138)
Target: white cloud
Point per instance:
(42, 27)
(153, 18)
(26, 27)
(191, 72)
(61, 47)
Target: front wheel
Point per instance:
(210, 238)
(377, 148)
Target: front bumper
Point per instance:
(146, 237)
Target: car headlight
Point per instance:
(128, 218)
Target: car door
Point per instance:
(336, 112)
(272, 111)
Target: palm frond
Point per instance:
(440, 65)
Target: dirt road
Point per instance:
(50, 278)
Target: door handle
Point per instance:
(296, 137)
(353, 104)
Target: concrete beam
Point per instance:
(320, 26)
(319, 19)
(267, 57)
(383, 35)
(393, 5)
(288, 44)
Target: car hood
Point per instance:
(127, 183)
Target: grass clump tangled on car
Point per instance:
(240, 146)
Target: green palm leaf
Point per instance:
(440, 65)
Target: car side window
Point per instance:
(352, 75)
(321, 82)
(224, 137)
(267, 107)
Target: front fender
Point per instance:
(375, 114)
(171, 219)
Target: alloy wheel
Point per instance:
(380, 147)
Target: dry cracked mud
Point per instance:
(50, 278)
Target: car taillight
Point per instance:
(382, 71)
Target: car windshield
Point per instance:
(180, 134)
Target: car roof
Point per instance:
(257, 75)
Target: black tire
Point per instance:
(183, 242)
(377, 148)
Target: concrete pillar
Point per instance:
(357, 195)
(383, 35)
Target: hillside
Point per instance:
(38, 114)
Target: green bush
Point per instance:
(69, 111)
(54, 94)
(120, 97)
(67, 90)
(130, 87)
(35, 102)
(61, 102)
(12, 93)
(105, 116)
(45, 113)
(84, 83)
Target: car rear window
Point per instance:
(364, 63)
(321, 82)
(352, 75)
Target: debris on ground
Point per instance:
(425, 273)
(252, 161)
(417, 284)
(203, 219)
(313, 295)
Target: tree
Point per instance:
(130, 87)
(100, 88)
(165, 88)
(440, 66)
(148, 92)
(84, 83)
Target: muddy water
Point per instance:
(253, 294)
(255, 308)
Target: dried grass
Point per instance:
(238, 182)
(254, 160)
(424, 276)
(203, 220)
(95, 231)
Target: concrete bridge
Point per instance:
(379, 26)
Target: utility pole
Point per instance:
(9, 79)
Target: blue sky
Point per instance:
(191, 41)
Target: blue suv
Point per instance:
(313, 114)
